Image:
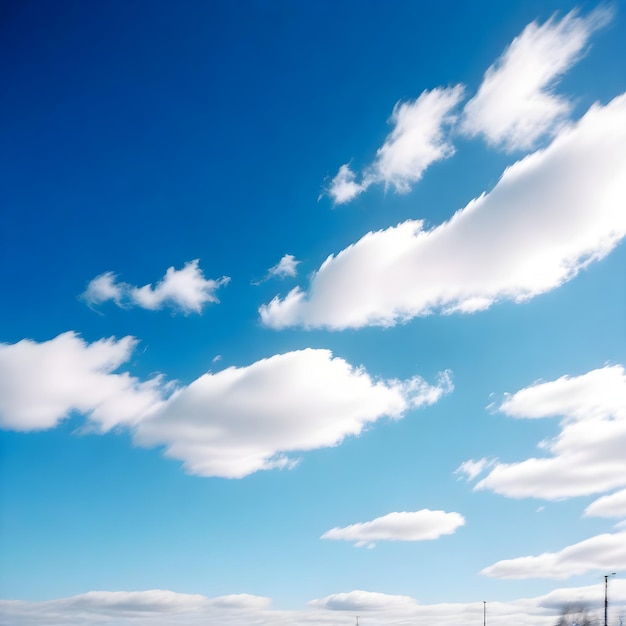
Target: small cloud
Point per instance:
(186, 290)
(471, 469)
(404, 526)
(416, 141)
(344, 188)
(287, 266)
(216, 358)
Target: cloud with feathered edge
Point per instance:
(549, 216)
(230, 423)
(186, 290)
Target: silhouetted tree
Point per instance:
(575, 615)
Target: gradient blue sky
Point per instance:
(265, 434)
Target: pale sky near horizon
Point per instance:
(312, 310)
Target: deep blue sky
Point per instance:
(138, 136)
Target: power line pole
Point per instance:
(484, 613)
(606, 597)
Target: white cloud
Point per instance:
(403, 526)
(587, 456)
(416, 141)
(287, 266)
(613, 505)
(471, 469)
(344, 188)
(364, 601)
(515, 104)
(159, 607)
(550, 215)
(231, 423)
(103, 288)
(605, 553)
(42, 383)
(185, 289)
(245, 419)
(164, 608)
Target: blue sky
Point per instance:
(312, 310)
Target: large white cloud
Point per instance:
(230, 423)
(606, 553)
(416, 141)
(549, 216)
(42, 383)
(399, 526)
(587, 456)
(515, 103)
(244, 419)
(186, 290)
(164, 608)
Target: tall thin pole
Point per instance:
(484, 613)
(606, 597)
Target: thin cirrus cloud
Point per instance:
(605, 552)
(549, 216)
(416, 141)
(587, 456)
(231, 423)
(515, 104)
(399, 526)
(186, 290)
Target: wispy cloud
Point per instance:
(403, 526)
(550, 215)
(186, 290)
(471, 469)
(515, 104)
(287, 267)
(230, 424)
(417, 140)
(587, 456)
(600, 553)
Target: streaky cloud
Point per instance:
(417, 140)
(516, 104)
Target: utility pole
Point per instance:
(484, 613)
(606, 597)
